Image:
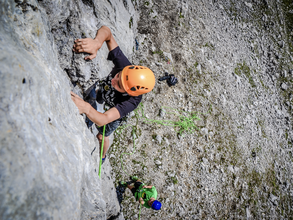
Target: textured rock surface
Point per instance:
(70, 20)
(47, 169)
(233, 60)
(236, 57)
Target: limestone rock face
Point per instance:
(234, 64)
(233, 68)
(71, 20)
(48, 169)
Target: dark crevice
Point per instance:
(110, 2)
(25, 6)
(88, 2)
(114, 217)
(125, 4)
(91, 4)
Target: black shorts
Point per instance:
(112, 126)
(136, 187)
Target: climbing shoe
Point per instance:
(103, 159)
(134, 178)
(122, 183)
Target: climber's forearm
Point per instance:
(91, 46)
(97, 117)
(101, 119)
(147, 187)
(104, 34)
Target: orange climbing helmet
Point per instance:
(137, 80)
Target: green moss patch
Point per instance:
(243, 69)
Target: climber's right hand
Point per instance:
(82, 106)
(87, 45)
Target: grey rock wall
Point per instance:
(70, 20)
(233, 60)
(48, 169)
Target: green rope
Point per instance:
(102, 148)
(185, 122)
(139, 211)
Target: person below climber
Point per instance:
(146, 195)
(122, 89)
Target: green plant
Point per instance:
(174, 180)
(242, 68)
(130, 22)
(185, 123)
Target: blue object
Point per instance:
(156, 205)
(103, 159)
(136, 44)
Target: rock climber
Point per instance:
(122, 89)
(146, 195)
